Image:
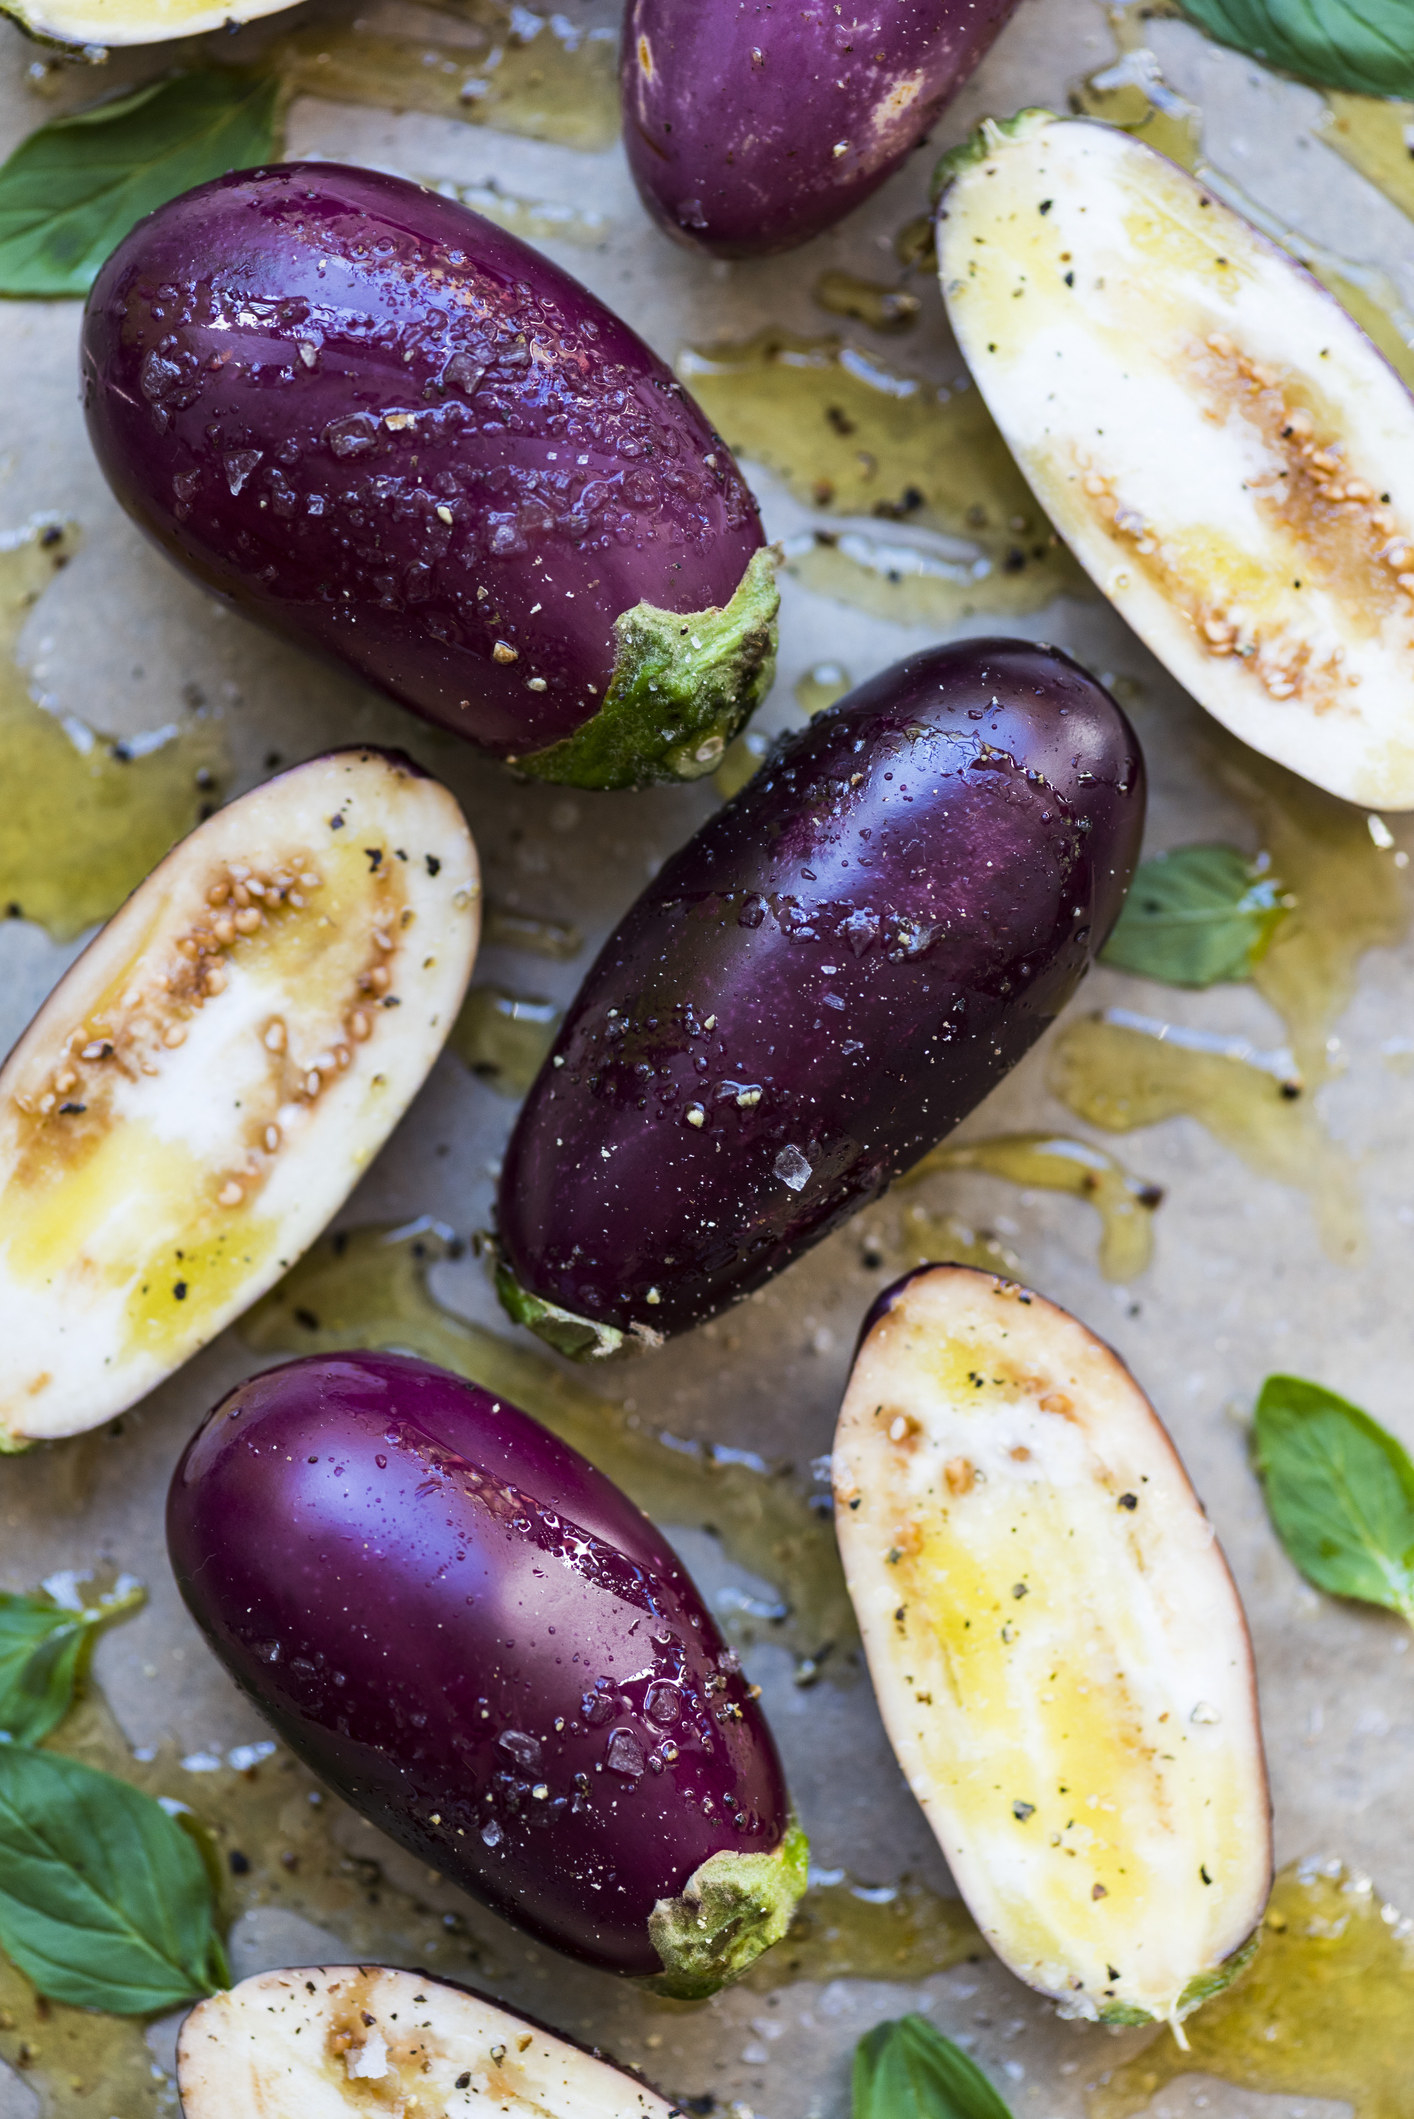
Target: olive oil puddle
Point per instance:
(1374, 136)
(488, 64)
(1327, 2009)
(86, 816)
(1118, 1071)
(1052, 1163)
(535, 220)
(368, 1287)
(505, 927)
(1132, 94)
(882, 307)
(504, 1037)
(869, 448)
(1345, 876)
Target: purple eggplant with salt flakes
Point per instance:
(392, 431)
(749, 130)
(489, 1651)
(818, 987)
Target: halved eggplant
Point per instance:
(1059, 1653)
(1224, 450)
(205, 1086)
(319, 2040)
(111, 22)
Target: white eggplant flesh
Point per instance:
(1223, 449)
(321, 2041)
(205, 1086)
(1058, 1650)
(113, 22)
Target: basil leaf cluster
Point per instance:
(1199, 916)
(106, 1901)
(907, 2070)
(45, 1646)
(71, 191)
(1340, 1491)
(1366, 46)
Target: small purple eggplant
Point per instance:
(751, 129)
(488, 1650)
(843, 962)
(386, 428)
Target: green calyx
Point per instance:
(991, 134)
(1200, 1988)
(728, 1912)
(684, 683)
(578, 1337)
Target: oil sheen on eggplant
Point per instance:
(845, 959)
(394, 432)
(486, 1648)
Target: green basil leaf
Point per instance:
(1340, 1489)
(44, 1651)
(1363, 45)
(72, 190)
(1195, 917)
(907, 2070)
(105, 1901)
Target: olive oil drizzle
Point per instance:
(504, 1037)
(1373, 135)
(98, 813)
(924, 516)
(1326, 2010)
(1120, 1074)
(368, 1287)
(1053, 1162)
(1344, 877)
(501, 66)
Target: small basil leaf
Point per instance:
(1363, 45)
(72, 190)
(1195, 917)
(105, 1901)
(1340, 1490)
(907, 2070)
(44, 1651)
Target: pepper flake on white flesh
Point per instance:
(1224, 450)
(1059, 1653)
(206, 1085)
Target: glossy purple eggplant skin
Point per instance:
(476, 1639)
(845, 959)
(751, 127)
(396, 433)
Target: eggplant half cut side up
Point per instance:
(1058, 1649)
(206, 1085)
(556, 556)
(320, 2040)
(1221, 446)
(845, 959)
(604, 1775)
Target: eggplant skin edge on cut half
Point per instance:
(205, 1086)
(1225, 451)
(1059, 1653)
(318, 2041)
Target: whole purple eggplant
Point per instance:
(750, 129)
(385, 427)
(488, 1650)
(818, 987)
